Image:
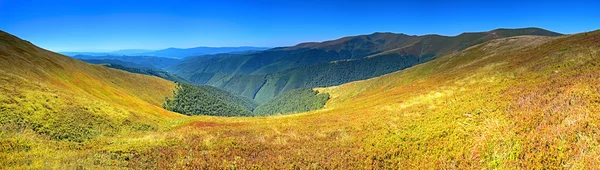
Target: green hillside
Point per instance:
(264, 75)
(335, 73)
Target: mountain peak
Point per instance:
(383, 41)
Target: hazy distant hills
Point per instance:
(131, 51)
(171, 52)
(186, 52)
(142, 62)
(266, 74)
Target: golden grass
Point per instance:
(50, 103)
(524, 102)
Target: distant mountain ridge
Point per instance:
(135, 68)
(196, 51)
(141, 62)
(177, 53)
(266, 74)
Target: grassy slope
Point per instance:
(521, 102)
(507, 103)
(517, 102)
(50, 102)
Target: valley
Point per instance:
(299, 84)
(524, 99)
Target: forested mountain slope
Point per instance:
(207, 100)
(264, 75)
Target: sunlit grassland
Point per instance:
(54, 109)
(523, 102)
(526, 102)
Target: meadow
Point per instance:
(526, 102)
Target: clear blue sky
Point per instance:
(103, 25)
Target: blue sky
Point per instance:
(105, 25)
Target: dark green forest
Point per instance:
(207, 100)
(298, 100)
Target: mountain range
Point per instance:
(141, 62)
(177, 53)
(266, 74)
